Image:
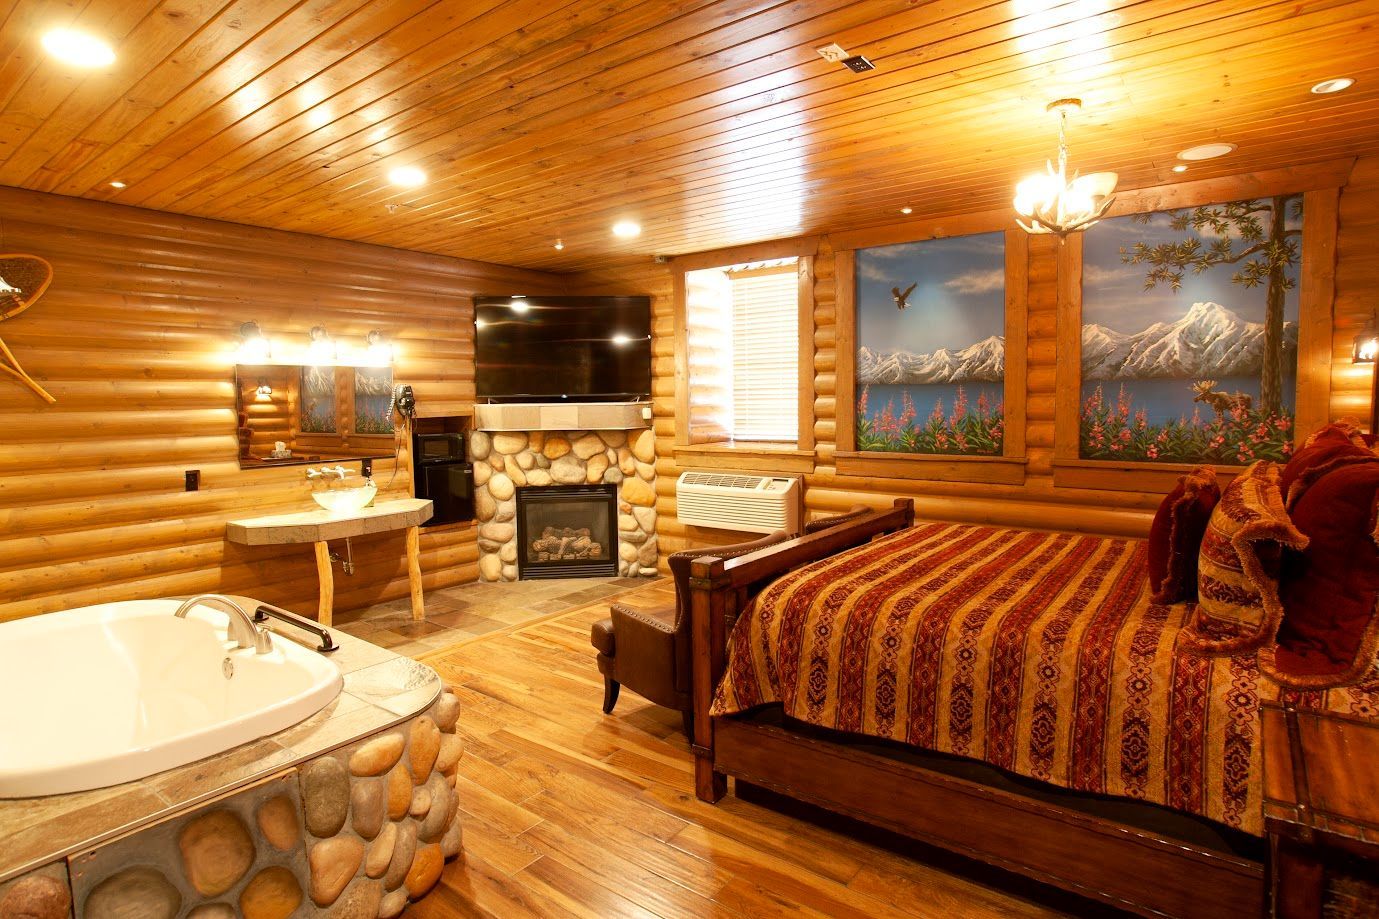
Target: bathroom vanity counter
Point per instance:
(381, 690)
(320, 526)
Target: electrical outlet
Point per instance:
(832, 53)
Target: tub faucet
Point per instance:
(242, 629)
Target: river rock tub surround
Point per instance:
(504, 461)
(351, 813)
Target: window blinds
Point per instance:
(765, 354)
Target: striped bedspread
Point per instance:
(1039, 653)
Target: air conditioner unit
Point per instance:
(739, 501)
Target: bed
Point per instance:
(1011, 695)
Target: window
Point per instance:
(743, 342)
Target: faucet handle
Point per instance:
(263, 640)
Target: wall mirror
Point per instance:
(294, 414)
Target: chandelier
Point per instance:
(1050, 202)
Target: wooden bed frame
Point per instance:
(1098, 858)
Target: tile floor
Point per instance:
(458, 614)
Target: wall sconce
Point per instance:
(1366, 347)
(322, 348)
(264, 390)
(378, 350)
(253, 346)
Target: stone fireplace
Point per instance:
(533, 461)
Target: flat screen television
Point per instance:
(548, 349)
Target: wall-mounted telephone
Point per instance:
(404, 402)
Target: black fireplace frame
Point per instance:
(529, 569)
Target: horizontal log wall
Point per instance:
(135, 339)
(1036, 503)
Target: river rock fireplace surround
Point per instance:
(534, 461)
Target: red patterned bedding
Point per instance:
(1039, 653)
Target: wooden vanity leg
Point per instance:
(326, 576)
(414, 572)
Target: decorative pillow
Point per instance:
(1175, 537)
(1330, 630)
(1238, 608)
(1337, 444)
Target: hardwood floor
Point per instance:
(569, 812)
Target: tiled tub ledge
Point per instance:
(350, 813)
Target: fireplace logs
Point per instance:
(566, 543)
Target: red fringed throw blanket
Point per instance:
(1040, 653)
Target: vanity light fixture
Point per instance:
(1333, 85)
(253, 346)
(321, 351)
(620, 339)
(519, 305)
(1206, 151)
(80, 49)
(407, 176)
(378, 350)
(627, 229)
(1052, 202)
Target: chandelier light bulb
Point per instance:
(1054, 203)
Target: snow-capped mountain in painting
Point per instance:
(1209, 341)
(981, 362)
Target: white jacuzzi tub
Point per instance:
(107, 694)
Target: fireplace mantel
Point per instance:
(562, 416)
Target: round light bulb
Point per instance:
(80, 49)
(1334, 85)
(407, 176)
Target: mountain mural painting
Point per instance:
(1190, 334)
(931, 376)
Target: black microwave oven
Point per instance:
(438, 448)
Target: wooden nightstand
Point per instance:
(1321, 810)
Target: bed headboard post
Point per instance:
(710, 590)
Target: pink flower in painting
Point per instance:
(862, 402)
(983, 405)
(1141, 419)
(1125, 435)
(1122, 403)
(937, 414)
(959, 407)
(1152, 452)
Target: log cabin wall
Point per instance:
(135, 339)
(1036, 503)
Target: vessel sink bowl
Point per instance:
(345, 500)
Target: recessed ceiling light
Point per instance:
(1181, 167)
(1334, 85)
(80, 49)
(117, 184)
(407, 176)
(559, 244)
(907, 210)
(1206, 151)
(626, 229)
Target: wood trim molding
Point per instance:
(747, 457)
(805, 298)
(1270, 182)
(990, 470)
(1316, 309)
(1016, 344)
(1320, 185)
(845, 350)
(797, 247)
(928, 228)
(682, 415)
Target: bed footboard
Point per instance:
(720, 589)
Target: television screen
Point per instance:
(550, 348)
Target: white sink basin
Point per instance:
(345, 500)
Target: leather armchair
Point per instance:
(645, 642)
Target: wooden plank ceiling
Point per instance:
(710, 123)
